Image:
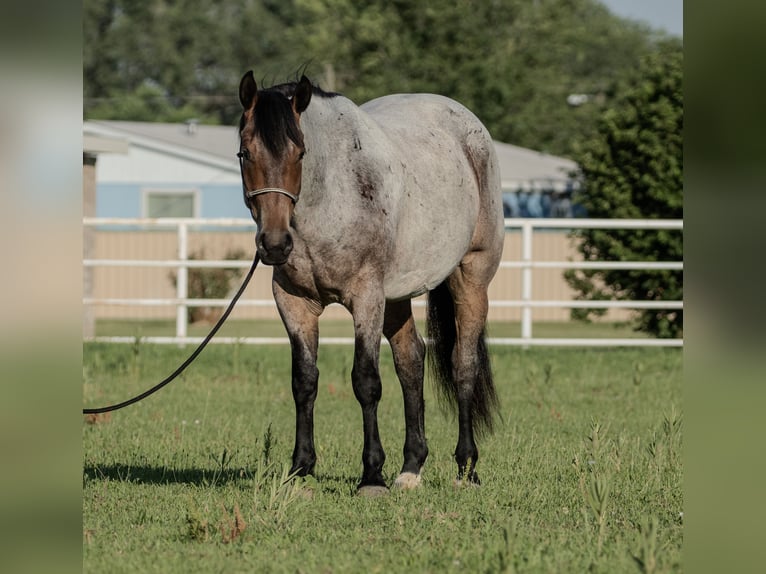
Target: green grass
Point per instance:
(340, 328)
(584, 473)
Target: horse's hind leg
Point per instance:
(409, 353)
(476, 398)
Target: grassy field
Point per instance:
(584, 474)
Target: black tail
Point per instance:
(441, 330)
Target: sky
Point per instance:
(662, 14)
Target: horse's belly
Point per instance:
(423, 261)
(412, 284)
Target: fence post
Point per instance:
(182, 281)
(88, 240)
(526, 279)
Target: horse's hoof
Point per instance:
(371, 491)
(407, 481)
(460, 483)
(304, 491)
(472, 480)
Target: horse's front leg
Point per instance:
(365, 377)
(302, 324)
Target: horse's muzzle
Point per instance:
(274, 246)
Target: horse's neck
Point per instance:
(337, 135)
(331, 129)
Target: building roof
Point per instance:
(520, 168)
(219, 141)
(529, 169)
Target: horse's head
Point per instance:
(270, 154)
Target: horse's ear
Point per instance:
(248, 90)
(302, 95)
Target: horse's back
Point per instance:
(421, 116)
(449, 198)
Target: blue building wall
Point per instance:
(223, 201)
(124, 199)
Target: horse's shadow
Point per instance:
(148, 474)
(162, 475)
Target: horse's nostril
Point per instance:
(275, 246)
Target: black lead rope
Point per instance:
(191, 358)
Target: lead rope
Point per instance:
(191, 358)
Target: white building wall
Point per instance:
(142, 165)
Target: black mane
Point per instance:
(274, 119)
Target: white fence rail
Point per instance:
(527, 226)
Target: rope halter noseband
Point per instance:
(249, 194)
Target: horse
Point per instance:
(367, 207)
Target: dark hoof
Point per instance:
(469, 479)
(302, 470)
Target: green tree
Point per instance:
(512, 62)
(634, 169)
(166, 60)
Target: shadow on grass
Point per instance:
(162, 475)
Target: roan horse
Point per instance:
(368, 207)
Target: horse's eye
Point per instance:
(244, 154)
(300, 157)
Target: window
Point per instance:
(170, 203)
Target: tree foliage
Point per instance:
(513, 62)
(633, 168)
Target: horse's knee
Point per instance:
(365, 380)
(304, 384)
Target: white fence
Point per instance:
(526, 264)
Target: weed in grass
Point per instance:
(268, 444)
(97, 418)
(196, 526)
(663, 452)
(548, 372)
(222, 468)
(648, 556)
(274, 488)
(597, 495)
(638, 373)
(665, 446)
(505, 555)
(235, 361)
(672, 425)
(597, 487)
(541, 385)
(231, 527)
(274, 491)
(135, 364)
(596, 439)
